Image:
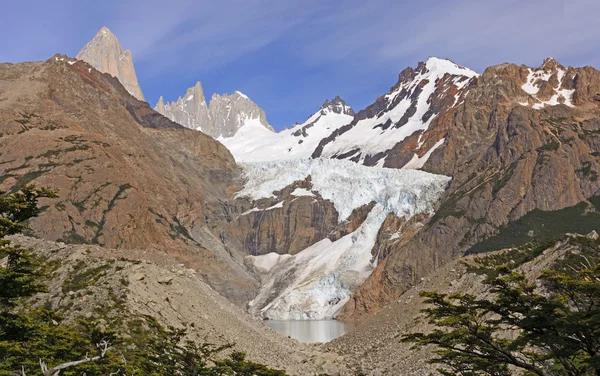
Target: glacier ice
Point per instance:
(316, 282)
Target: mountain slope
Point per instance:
(402, 115)
(222, 117)
(107, 285)
(514, 164)
(374, 346)
(104, 52)
(253, 144)
(126, 176)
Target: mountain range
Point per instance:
(336, 217)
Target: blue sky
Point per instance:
(289, 56)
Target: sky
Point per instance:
(289, 56)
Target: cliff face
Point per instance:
(523, 144)
(104, 52)
(126, 176)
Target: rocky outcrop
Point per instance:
(126, 176)
(222, 117)
(104, 52)
(513, 154)
(288, 224)
(190, 111)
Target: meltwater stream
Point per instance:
(309, 331)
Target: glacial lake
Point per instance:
(309, 331)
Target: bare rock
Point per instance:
(104, 52)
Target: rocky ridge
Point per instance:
(222, 117)
(126, 176)
(104, 52)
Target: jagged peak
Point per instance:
(239, 93)
(337, 105)
(550, 63)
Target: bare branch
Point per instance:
(55, 371)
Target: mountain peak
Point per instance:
(105, 31)
(223, 116)
(448, 66)
(550, 63)
(104, 52)
(337, 105)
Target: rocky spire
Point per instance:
(160, 106)
(104, 52)
(221, 118)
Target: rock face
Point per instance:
(126, 176)
(104, 52)
(221, 118)
(522, 147)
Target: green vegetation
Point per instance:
(522, 329)
(80, 278)
(114, 343)
(489, 265)
(543, 226)
(508, 173)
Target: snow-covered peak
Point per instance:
(336, 105)
(251, 144)
(409, 108)
(443, 66)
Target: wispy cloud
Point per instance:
(288, 51)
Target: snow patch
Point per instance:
(418, 162)
(265, 263)
(242, 95)
(299, 192)
(276, 206)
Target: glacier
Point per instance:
(316, 282)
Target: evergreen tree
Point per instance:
(552, 328)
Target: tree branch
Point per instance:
(54, 371)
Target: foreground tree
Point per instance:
(552, 328)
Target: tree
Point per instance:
(20, 276)
(552, 328)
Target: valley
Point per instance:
(307, 248)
